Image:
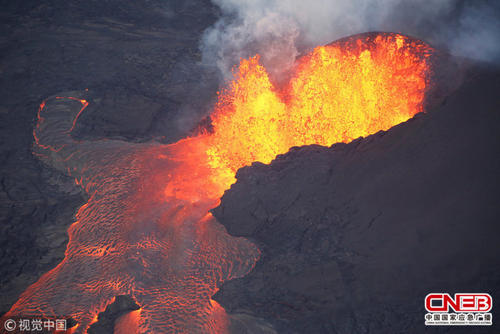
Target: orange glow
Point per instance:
(146, 229)
(129, 323)
(339, 92)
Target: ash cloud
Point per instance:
(280, 30)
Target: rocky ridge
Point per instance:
(354, 236)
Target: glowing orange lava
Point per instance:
(146, 230)
(339, 92)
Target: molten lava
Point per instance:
(339, 92)
(146, 230)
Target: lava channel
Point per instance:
(146, 229)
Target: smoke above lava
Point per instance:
(280, 30)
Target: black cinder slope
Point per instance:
(354, 236)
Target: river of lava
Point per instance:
(146, 229)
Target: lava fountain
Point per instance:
(146, 229)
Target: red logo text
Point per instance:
(462, 302)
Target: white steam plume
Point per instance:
(280, 29)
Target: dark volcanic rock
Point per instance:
(36, 208)
(139, 60)
(117, 113)
(354, 236)
(106, 320)
(244, 323)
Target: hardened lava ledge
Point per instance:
(354, 236)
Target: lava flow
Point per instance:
(348, 89)
(146, 229)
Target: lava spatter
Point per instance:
(351, 88)
(146, 229)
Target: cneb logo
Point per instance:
(463, 302)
